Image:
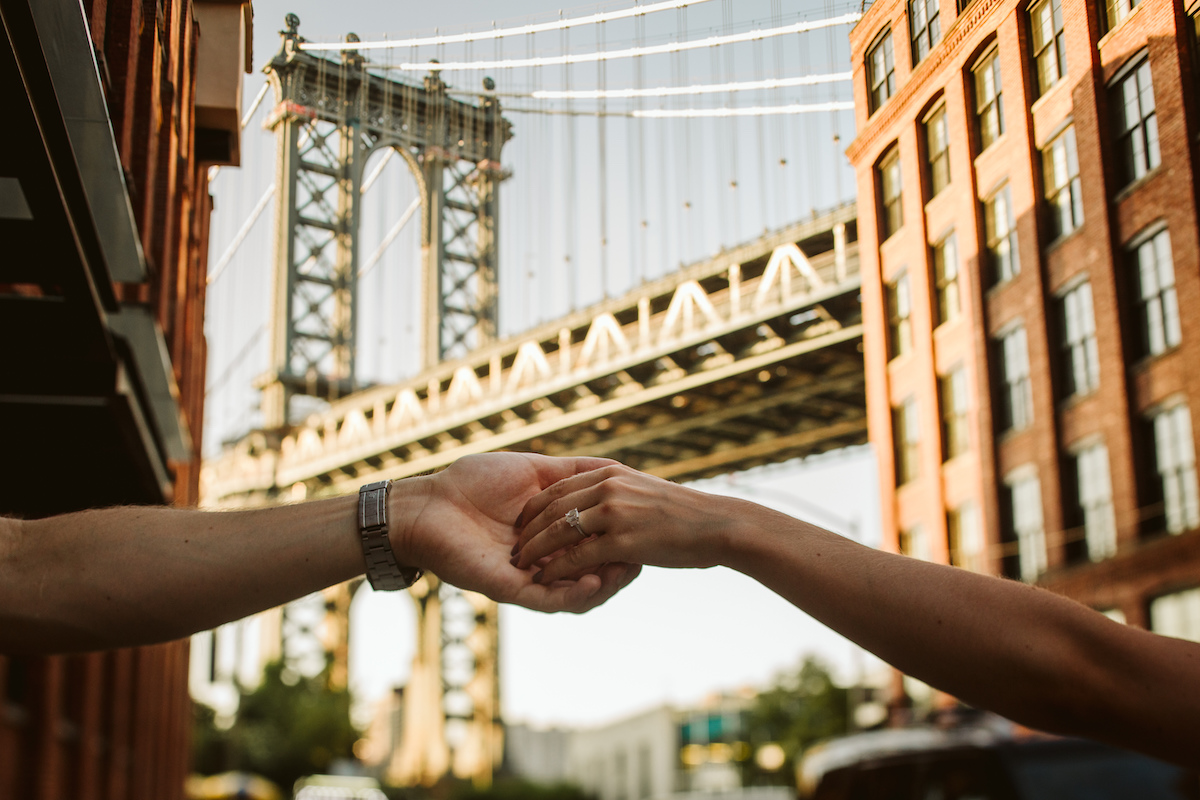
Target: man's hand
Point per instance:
(461, 525)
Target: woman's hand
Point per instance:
(459, 524)
(629, 517)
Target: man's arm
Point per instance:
(124, 576)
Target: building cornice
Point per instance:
(884, 120)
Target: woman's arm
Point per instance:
(124, 576)
(1031, 655)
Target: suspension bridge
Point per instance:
(728, 336)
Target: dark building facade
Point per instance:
(115, 110)
(1029, 242)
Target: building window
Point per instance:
(952, 391)
(1001, 231)
(1115, 11)
(1137, 124)
(937, 150)
(924, 27)
(1175, 456)
(1064, 193)
(945, 279)
(1016, 390)
(1024, 512)
(1093, 493)
(905, 431)
(1080, 356)
(989, 100)
(899, 310)
(1177, 615)
(1157, 301)
(881, 71)
(891, 191)
(966, 537)
(1049, 49)
(914, 542)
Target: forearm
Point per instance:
(124, 576)
(1026, 653)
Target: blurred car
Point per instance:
(984, 762)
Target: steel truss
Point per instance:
(329, 118)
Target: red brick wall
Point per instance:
(1144, 565)
(116, 725)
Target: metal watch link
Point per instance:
(384, 573)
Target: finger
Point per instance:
(551, 469)
(559, 533)
(536, 505)
(563, 595)
(614, 578)
(586, 557)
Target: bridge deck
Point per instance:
(751, 357)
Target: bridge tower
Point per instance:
(329, 117)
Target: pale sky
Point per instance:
(672, 636)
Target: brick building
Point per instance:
(1028, 230)
(114, 110)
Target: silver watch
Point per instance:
(384, 573)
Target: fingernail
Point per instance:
(515, 560)
(516, 549)
(539, 576)
(520, 517)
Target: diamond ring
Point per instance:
(573, 521)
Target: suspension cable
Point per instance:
(501, 33)
(630, 52)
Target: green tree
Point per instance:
(284, 729)
(801, 709)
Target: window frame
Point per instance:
(937, 158)
(954, 403)
(1028, 529)
(989, 62)
(1071, 189)
(906, 441)
(1164, 303)
(1091, 471)
(1016, 385)
(892, 206)
(1144, 155)
(964, 537)
(1183, 515)
(898, 307)
(992, 241)
(1078, 349)
(1053, 50)
(882, 43)
(922, 40)
(947, 291)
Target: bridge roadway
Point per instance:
(751, 357)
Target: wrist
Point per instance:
(407, 501)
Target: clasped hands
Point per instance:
(497, 523)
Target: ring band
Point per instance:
(573, 521)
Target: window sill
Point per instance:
(1062, 240)
(1043, 98)
(999, 287)
(1068, 403)
(1012, 433)
(1132, 188)
(995, 142)
(1146, 363)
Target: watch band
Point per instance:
(383, 572)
